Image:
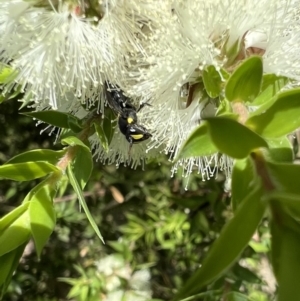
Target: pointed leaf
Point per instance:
(285, 252)
(245, 83)
(212, 81)
(198, 144)
(109, 124)
(38, 155)
(235, 296)
(26, 171)
(232, 138)
(74, 124)
(271, 85)
(285, 176)
(280, 150)
(232, 240)
(243, 175)
(82, 165)
(281, 118)
(12, 216)
(10, 95)
(80, 196)
(231, 51)
(42, 216)
(286, 210)
(16, 234)
(101, 136)
(54, 118)
(8, 264)
(7, 73)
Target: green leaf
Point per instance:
(26, 100)
(38, 155)
(80, 196)
(233, 238)
(16, 234)
(84, 292)
(55, 118)
(74, 124)
(232, 138)
(285, 176)
(212, 81)
(101, 136)
(286, 262)
(109, 124)
(7, 73)
(8, 264)
(281, 118)
(280, 150)
(225, 109)
(286, 210)
(82, 164)
(271, 85)
(12, 216)
(245, 274)
(198, 144)
(259, 247)
(235, 296)
(190, 202)
(245, 83)
(232, 51)
(42, 216)
(26, 171)
(10, 95)
(243, 175)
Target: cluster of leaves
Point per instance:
(166, 229)
(264, 176)
(154, 225)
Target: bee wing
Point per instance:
(111, 95)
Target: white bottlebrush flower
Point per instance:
(57, 49)
(203, 33)
(155, 51)
(63, 56)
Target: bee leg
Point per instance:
(142, 105)
(130, 140)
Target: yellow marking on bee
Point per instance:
(137, 137)
(129, 120)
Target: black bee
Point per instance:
(127, 115)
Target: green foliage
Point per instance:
(286, 262)
(82, 165)
(232, 240)
(101, 136)
(232, 131)
(9, 263)
(271, 85)
(245, 83)
(77, 189)
(280, 150)
(48, 155)
(26, 171)
(15, 230)
(243, 176)
(272, 122)
(224, 141)
(109, 124)
(199, 143)
(42, 216)
(212, 81)
(56, 118)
